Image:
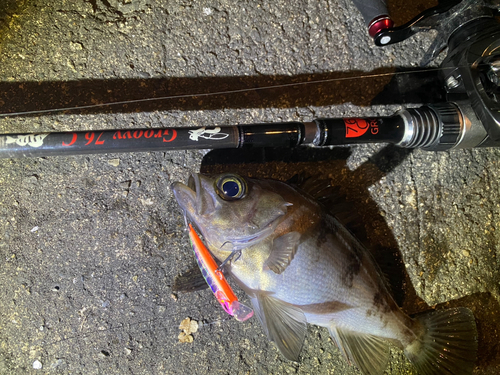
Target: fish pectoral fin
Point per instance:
(283, 251)
(283, 323)
(367, 352)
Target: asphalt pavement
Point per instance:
(90, 244)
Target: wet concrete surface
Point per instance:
(91, 244)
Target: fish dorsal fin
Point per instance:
(332, 198)
(283, 251)
(369, 353)
(283, 323)
(318, 188)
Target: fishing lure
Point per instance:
(216, 280)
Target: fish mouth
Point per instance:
(205, 201)
(191, 183)
(183, 194)
(193, 197)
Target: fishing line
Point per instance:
(216, 93)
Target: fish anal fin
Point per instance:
(448, 343)
(367, 352)
(283, 251)
(284, 324)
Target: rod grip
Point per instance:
(371, 9)
(375, 14)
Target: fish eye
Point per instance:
(231, 187)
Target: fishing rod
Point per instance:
(470, 118)
(437, 127)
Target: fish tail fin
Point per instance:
(447, 345)
(240, 311)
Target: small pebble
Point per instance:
(114, 162)
(57, 363)
(185, 338)
(37, 365)
(146, 202)
(189, 326)
(103, 354)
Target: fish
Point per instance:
(300, 265)
(216, 280)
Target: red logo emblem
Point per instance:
(355, 127)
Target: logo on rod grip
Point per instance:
(356, 127)
(33, 140)
(205, 133)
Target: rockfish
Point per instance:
(299, 264)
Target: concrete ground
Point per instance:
(90, 245)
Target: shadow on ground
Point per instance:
(386, 85)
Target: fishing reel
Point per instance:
(470, 31)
